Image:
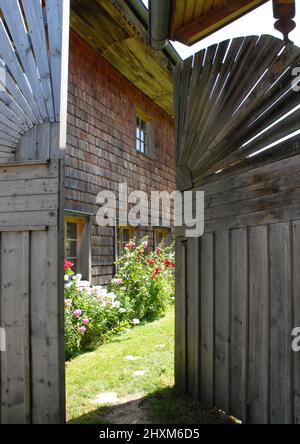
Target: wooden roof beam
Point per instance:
(214, 20)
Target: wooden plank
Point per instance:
(12, 88)
(17, 204)
(290, 196)
(27, 147)
(11, 108)
(273, 169)
(180, 318)
(15, 382)
(239, 323)
(193, 318)
(28, 171)
(259, 357)
(296, 317)
(207, 320)
(35, 21)
(269, 216)
(20, 229)
(222, 321)
(36, 218)
(44, 328)
(15, 22)
(43, 141)
(58, 19)
(281, 403)
(8, 54)
(259, 188)
(29, 187)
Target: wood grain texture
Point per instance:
(113, 31)
(33, 75)
(246, 83)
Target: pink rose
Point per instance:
(82, 330)
(77, 313)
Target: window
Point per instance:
(77, 244)
(144, 134)
(162, 235)
(141, 136)
(125, 235)
(72, 244)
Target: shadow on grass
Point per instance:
(162, 407)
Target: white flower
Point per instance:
(136, 321)
(66, 278)
(122, 310)
(77, 277)
(69, 285)
(116, 304)
(83, 284)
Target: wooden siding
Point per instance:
(101, 150)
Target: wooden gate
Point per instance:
(33, 103)
(238, 287)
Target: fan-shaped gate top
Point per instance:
(236, 101)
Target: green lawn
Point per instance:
(147, 396)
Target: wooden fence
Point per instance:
(238, 286)
(33, 103)
(30, 298)
(238, 297)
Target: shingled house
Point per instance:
(120, 126)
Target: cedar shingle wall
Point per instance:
(101, 144)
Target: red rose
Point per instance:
(150, 261)
(67, 265)
(156, 273)
(169, 263)
(130, 246)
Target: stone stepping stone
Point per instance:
(106, 398)
(132, 358)
(139, 373)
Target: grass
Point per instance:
(149, 398)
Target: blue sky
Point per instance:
(260, 21)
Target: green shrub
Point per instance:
(92, 315)
(144, 283)
(142, 289)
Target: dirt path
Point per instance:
(161, 408)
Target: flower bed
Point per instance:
(144, 283)
(142, 290)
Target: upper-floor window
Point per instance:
(145, 140)
(141, 135)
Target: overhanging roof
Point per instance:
(189, 21)
(118, 30)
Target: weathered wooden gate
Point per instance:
(33, 100)
(238, 286)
